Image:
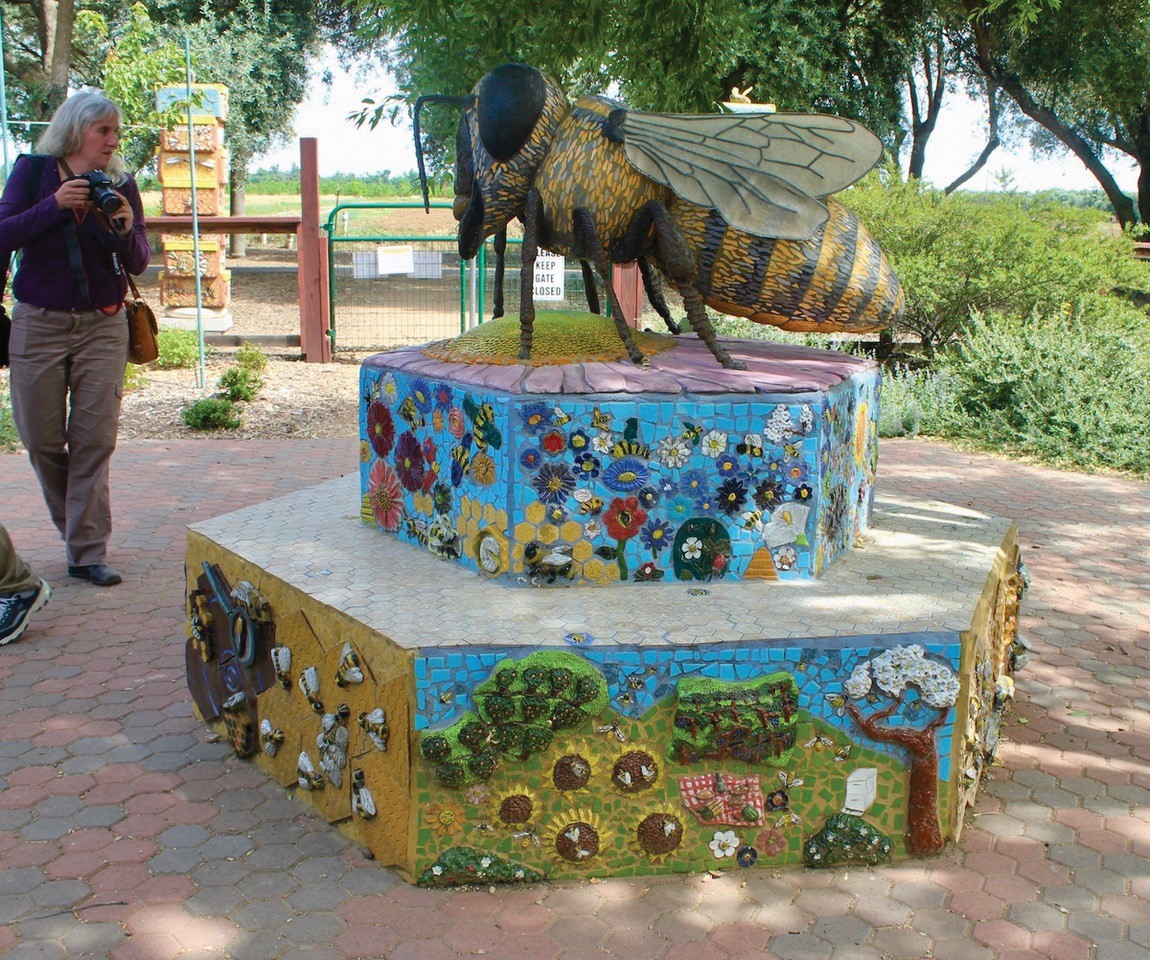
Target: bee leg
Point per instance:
(655, 295)
(500, 264)
(701, 324)
(587, 238)
(532, 213)
(589, 287)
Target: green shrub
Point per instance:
(9, 438)
(1006, 254)
(1068, 387)
(178, 349)
(250, 357)
(239, 384)
(211, 413)
(134, 378)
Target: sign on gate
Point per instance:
(550, 276)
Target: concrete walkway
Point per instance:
(126, 834)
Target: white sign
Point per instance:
(550, 277)
(395, 259)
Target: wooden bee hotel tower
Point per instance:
(603, 602)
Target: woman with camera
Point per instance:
(77, 219)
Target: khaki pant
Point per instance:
(15, 577)
(67, 374)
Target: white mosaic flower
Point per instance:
(788, 523)
(437, 870)
(859, 683)
(602, 442)
(725, 844)
(779, 426)
(388, 388)
(806, 418)
(714, 444)
(674, 452)
(692, 548)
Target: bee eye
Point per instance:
(510, 100)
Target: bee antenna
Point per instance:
(429, 98)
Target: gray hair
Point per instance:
(65, 132)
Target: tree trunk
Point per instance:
(1012, 86)
(239, 199)
(923, 124)
(991, 142)
(58, 56)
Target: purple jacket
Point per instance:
(45, 277)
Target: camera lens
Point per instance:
(105, 198)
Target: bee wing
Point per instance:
(761, 172)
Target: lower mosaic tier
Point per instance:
(466, 731)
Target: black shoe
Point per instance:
(98, 573)
(16, 610)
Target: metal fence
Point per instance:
(389, 288)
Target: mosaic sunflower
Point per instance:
(575, 837)
(444, 819)
(635, 770)
(574, 767)
(656, 833)
(515, 807)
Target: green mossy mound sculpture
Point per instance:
(560, 336)
(846, 839)
(464, 865)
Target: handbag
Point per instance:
(143, 346)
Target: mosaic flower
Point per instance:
(536, 417)
(477, 794)
(732, 495)
(656, 535)
(658, 834)
(515, 806)
(803, 492)
(409, 461)
(725, 844)
(553, 443)
(674, 452)
(648, 497)
(437, 420)
(796, 472)
(430, 449)
(364, 451)
(380, 428)
(587, 465)
(483, 469)
(579, 441)
(385, 494)
(530, 458)
(681, 507)
(694, 484)
(554, 482)
(786, 558)
(456, 424)
(623, 518)
(388, 388)
(727, 466)
(574, 837)
(421, 394)
(648, 572)
(714, 444)
(443, 396)
(626, 474)
(779, 426)
(441, 498)
(692, 548)
(444, 819)
(592, 528)
(768, 494)
(770, 842)
(746, 856)
(777, 801)
(602, 442)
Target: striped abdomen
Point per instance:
(837, 281)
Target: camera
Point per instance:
(100, 190)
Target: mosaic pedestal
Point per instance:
(604, 472)
(468, 731)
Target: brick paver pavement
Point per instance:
(125, 833)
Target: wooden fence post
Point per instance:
(312, 259)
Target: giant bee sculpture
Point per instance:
(733, 210)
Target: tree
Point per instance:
(909, 683)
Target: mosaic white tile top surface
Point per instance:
(922, 569)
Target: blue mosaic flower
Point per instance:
(443, 395)
(732, 495)
(803, 492)
(536, 417)
(728, 466)
(626, 474)
(746, 856)
(656, 535)
(587, 464)
(554, 482)
(694, 484)
(648, 497)
(530, 458)
(681, 507)
(421, 394)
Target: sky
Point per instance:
(958, 139)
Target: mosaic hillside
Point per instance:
(539, 475)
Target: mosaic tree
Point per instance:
(906, 683)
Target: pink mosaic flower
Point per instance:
(385, 494)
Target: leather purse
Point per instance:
(143, 347)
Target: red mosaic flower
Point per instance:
(380, 428)
(409, 463)
(624, 518)
(553, 442)
(385, 495)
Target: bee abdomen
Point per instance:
(837, 281)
